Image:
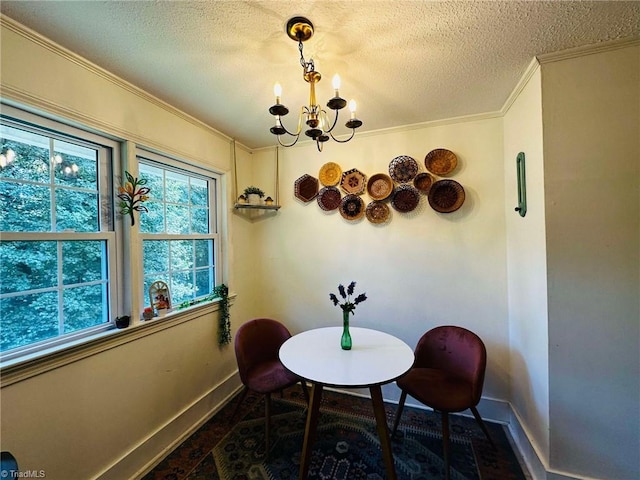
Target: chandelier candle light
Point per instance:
(320, 128)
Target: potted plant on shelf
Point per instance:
(253, 195)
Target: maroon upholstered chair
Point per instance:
(257, 344)
(447, 375)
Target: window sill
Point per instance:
(23, 368)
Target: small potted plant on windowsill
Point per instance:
(253, 195)
(122, 322)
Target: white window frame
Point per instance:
(214, 180)
(108, 170)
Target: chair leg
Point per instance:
(445, 443)
(240, 400)
(403, 398)
(478, 418)
(267, 415)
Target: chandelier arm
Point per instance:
(303, 111)
(319, 145)
(335, 120)
(353, 132)
(290, 144)
(288, 132)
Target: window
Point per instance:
(179, 232)
(57, 238)
(62, 270)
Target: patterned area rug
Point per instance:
(346, 447)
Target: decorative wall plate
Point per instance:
(305, 188)
(423, 182)
(352, 207)
(330, 174)
(353, 181)
(403, 168)
(377, 212)
(379, 186)
(329, 198)
(446, 196)
(405, 198)
(441, 161)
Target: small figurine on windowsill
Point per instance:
(147, 314)
(268, 201)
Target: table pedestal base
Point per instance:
(312, 426)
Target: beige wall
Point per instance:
(526, 260)
(420, 270)
(111, 413)
(591, 114)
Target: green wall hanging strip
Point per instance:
(522, 185)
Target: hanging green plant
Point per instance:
(224, 326)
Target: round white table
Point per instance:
(376, 358)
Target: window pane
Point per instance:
(177, 219)
(200, 220)
(156, 257)
(24, 207)
(155, 181)
(26, 155)
(75, 165)
(182, 287)
(182, 254)
(153, 220)
(76, 211)
(199, 192)
(28, 319)
(177, 188)
(82, 261)
(27, 266)
(204, 252)
(204, 282)
(84, 307)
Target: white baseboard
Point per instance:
(536, 464)
(140, 459)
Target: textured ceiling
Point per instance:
(404, 62)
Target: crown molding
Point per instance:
(533, 67)
(588, 50)
(38, 39)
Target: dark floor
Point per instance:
(185, 462)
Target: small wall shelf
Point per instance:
(256, 207)
(240, 207)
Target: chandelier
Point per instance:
(320, 128)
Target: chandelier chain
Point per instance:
(308, 66)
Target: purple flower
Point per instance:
(347, 306)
